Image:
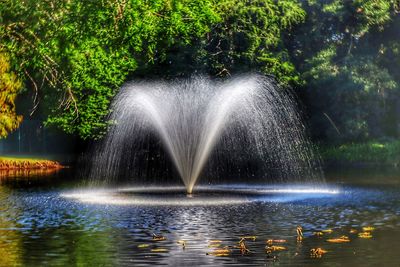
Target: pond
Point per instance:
(44, 223)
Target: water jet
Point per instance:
(197, 120)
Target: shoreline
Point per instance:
(7, 163)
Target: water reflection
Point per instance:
(27, 173)
(10, 237)
(38, 227)
(67, 247)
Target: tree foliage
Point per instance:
(77, 54)
(340, 51)
(10, 86)
(341, 56)
(250, 37)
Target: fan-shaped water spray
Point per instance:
(195, 117)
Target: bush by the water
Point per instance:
(22, 163)
(373, 152)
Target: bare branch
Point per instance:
(36, 89)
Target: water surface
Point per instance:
(39, 226)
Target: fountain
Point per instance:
(197, 119)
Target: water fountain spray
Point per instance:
(192, 116)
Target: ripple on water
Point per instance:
(44, 227)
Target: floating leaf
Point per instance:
(215, 241)
(277, 241)
(158, 237)
(299, 231)
(243, 248)
(368, 228)
(223, 250)
(220, 252)
(318, 233)
(365, 235)
(317, 252)
(274, 248)
(342, 239)
(182, 242)
(251, 237)
(143, 246)
(159, 250)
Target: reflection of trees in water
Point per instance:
(69, 247)
(10, 237)
(28, 173)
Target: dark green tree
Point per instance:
(340, 52)
(250, 38)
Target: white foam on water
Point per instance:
(208, 196)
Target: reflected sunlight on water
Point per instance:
(204, 196)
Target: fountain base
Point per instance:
(205, 196)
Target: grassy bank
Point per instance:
(373, 152)
(8, 163)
